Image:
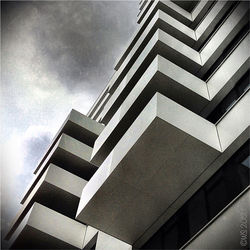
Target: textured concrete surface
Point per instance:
(198, 183)
(45, 228)
(69, 154)
(107, 242)
(90, 237)
(77, 126)
(164, 77)
(57, 189)
(122, 184)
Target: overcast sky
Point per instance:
(55, 56)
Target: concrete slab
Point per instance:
(97, 102)
(164, 22)
(69, 154)
(100, 106)
(168, 7)
(77, 126)
(239, 114)
(137, 177)
(223, 36)
(199, 12)
(162, 76)
(162, 44)
(90, 237)
(210, 21)
(44, 228)
(107, 242)
(167, 23)
(187, 5)
(227, 75)
(57, 189)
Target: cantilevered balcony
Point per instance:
(69, 154)
(43, 228)
(57, 189)
(77, 126)
(140, 176)
(163, 152)
(165, 77)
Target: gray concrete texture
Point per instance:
(44, 228)
(165, 142)
(172, 81)
(69, 154)
(57, 189)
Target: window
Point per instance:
(231, 179)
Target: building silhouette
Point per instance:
(161, 161)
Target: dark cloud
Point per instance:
(55, 54)
(80, 40)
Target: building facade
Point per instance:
(161, 161)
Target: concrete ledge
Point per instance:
(223, 232)
(107, 242)
(165, 77)
(58, 190)
(77, 126)
(187, 5)
(164, 22)
(90, 237)
(140, 174)
(224, 35)
(161, 76)
(207, 25)
(199, 12)
(183, 55)
(177, 29)
(100, 106)
(97, 102)
(227, 75)
(44, 228)
(142, 4)
(234, 121)
(165, 45)
(70, 155)
(168, 7)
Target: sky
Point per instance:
(55, 56)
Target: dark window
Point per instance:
(93, 247)
(240, 87)
(207, 202)
(155, 242)
(216, 195)
(197, 205)
(170, 237)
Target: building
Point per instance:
(161, 161)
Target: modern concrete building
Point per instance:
(161, 161)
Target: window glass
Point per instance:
(197, 212)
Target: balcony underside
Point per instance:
(58, 190)
(69, 154)
(157, 159)
(44, 228)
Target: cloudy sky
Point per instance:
(55, 56)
